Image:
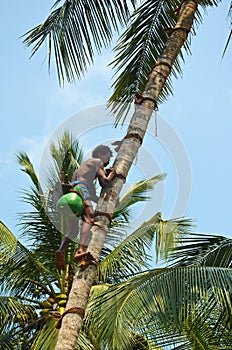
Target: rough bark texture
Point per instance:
(83, 280)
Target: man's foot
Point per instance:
(80, 255)
(89, 260)
(60, 265)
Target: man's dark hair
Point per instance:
(101, 149)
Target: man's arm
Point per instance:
(103, 178)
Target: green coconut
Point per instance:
(71, 203)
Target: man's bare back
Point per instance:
(88, 171)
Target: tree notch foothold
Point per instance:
(163, 63)
(177, 10)
(85, 260)
(134, 135)
(120, 176)
(102, 213)
(73, 310)
(139, 99)
(171, 30)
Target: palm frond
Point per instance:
(202, 249)
(28, 168)
(40, 228)
(209, 3)
(7, 239)
(75, 31)
(230, 33)
(138, 49)
(183, 303)
(131, 255)
(169, 233)
(5, 342)
(43, 228)
(137, 193)
(20, 270)
(46, 338)
(11, 308)
(41, 236)
(37, 226)
(227, 43)
(67, 155)
(87, 342)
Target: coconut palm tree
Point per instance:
(186, 305)
(33, 292)
(131, 306)
(146, 102)
(147, 55)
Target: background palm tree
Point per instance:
(33, 292)
(181, 306)
(184, 305)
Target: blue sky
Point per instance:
(197, 119)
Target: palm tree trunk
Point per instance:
(146, 102)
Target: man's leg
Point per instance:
(85, 233)
(88, 219)
(72, 226)
(60, 253)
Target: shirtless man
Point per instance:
(84, 177)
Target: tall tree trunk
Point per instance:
(83, 280)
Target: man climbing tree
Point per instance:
(84, 177)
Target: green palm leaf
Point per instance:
(202, 249)
(6, 341)
(40, 229)
(46, 338)
(131, 255)
(182, 302)
(138, 49)
(138, 193)
(12, 306)
(122, 214)
(28, 168)
(67, 155)
(85, 343)
(36, 225)
(75, 31)
(20, 270)
(230, 33)
(168, 235)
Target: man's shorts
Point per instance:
(84, 187)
